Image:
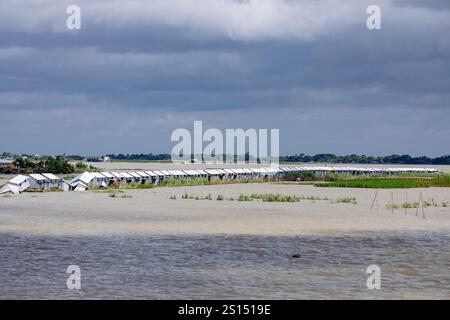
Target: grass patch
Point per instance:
(416, 204)
(134, 186)
(173, 182)
(244, 197)
(390, 183)
(118, 194)
(351, 200)
(270, 197)
(196, 197)
(264, 197)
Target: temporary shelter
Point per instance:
(16, 185)
(38, 181)
(53, 181)
(82, 181)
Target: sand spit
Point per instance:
(152, 211)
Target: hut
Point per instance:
(153, 177)
(161, 176)
(82, 181)
(128, 177)
(53, 181)
(136, 177)
(109, 177)
(38, 181)
(119, 177)
(192, 174)
(16, 185)
(5, 163)
(145, 177)
(213, 174)
(64, 185)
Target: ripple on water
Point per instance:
(225, 267)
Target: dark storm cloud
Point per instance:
(156, 70)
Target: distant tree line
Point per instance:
(141, 156)
(323, 157)
(50, 165)
(354, 158)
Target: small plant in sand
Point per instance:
(351, 200)
(126, 196)
(173, 197)
(313, 198)
(391, 206)
(416, 204)
(118, 194)
(219, 197)
(410, 205)
(244, 197)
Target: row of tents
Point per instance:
(82, 182)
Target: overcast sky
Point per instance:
(139, 69)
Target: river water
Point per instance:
(413, 265)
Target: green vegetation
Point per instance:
(270, 197)
(140, 157)
(243, 197)
(137, 186)
(173, 197)
(389, 183)
(81, 167)
(264, 197)
(354, 158)
(351, 200)
(118, 194)
(114, 193)
(416, 204)
(173, 182)
(300, 176)
(190, 196)
(58, 165)
(323, 157)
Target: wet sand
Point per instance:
(151, 212)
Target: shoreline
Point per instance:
(152, 212)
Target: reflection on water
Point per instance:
(225, 267)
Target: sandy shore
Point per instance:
(152, 212)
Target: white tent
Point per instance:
(38, 181)
(9, 188)
(64, 185)
(82, 181)
(20, 181)
(53, 180)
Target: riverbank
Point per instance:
(164, 211)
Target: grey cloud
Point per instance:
(342, 87)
